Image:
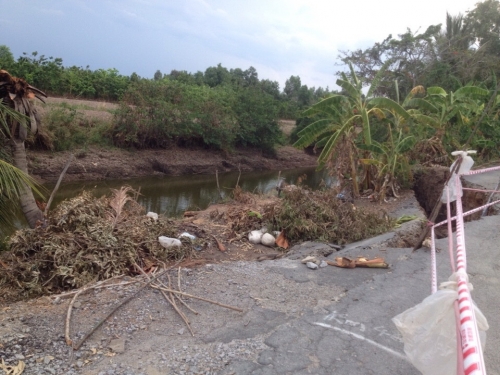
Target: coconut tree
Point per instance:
(18, 95)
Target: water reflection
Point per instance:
(174, 195)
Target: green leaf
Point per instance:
(422, 104)
(327, 105)
(438, 91)
(323, 157)
(405, 145)
(366, 126)
(312, 131)
(471, 91)
(348, 86)
(390, 105)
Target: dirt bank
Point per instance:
(99, 164)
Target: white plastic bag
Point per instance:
(429, 332)
(169, 242)
(465, 166)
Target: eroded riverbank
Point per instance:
(98, 164)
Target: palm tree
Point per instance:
(17, 113)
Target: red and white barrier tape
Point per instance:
(473, 361)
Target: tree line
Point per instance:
(50, 75)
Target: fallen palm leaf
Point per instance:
(344, 262)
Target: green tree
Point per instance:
(485, 22)
(158, 76)
(216, 76)
(257, 116)
(6, 58)
(409, 58)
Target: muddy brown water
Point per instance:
(172, 195)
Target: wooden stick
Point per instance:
(179, 297)
(70, 307)
(126, 300)
(174, 305)
(218, 187)
(69, 342)
(239, 175)
(69, 294)
(179, 279)
(170, 300)
(58, 184)
(195, 297)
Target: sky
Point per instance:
(279, 38)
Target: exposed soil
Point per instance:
(98, 164)
(428, 185)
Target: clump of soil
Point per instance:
(428, 187)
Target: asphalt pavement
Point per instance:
(354, 333)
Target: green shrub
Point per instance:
(164, 113)
(64, 128)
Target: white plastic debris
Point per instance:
(465, 166)
(323, 264)
(188, 235)
(429, 331)
(255, 236)
(169, 242)
(268, 240)
(152, 215)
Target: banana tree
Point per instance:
(342, 116)
(390, 156)
(17, 95)
(449, 115)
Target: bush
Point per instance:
(64, 128)
(161, 114)
(257, 114)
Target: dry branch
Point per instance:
(126, 300)
(156, 286)
(56, 188)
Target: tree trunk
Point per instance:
(30, 210)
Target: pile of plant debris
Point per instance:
(86, 239)
(307, 215)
